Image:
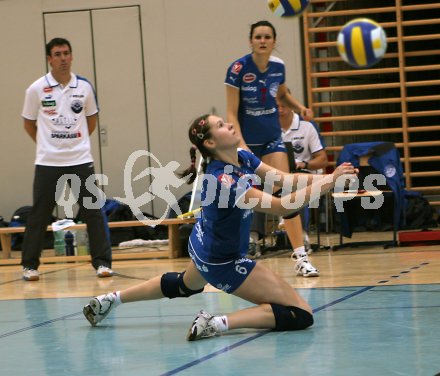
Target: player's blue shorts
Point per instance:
(228, 276)
(274, 146)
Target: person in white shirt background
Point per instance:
(60, 113)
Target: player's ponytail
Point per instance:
(199, 131)
(191, 172)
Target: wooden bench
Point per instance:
(173, 251)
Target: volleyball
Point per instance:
(288, 8)
(362, 43)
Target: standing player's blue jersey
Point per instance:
(222, 232)
(258, 111)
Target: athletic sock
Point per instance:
(117, 297)
(300, 252)
(221, 322)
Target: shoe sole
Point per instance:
(105, 275)
(308, 275)
(192, 332)
(89, 315)
(191, 336)
(31, 278)
(89, 312)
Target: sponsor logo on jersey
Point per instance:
(50, 112)
(226, 180)
(236, 68)
(273, 89)
(66, 135)
(253, 100)
(77, 96)
(249, 88)
(298, 147)
(66, 121)
(261, 112)
(275, 74)
(249, 77)
(48, 103)
(76, 106)
(47, 89)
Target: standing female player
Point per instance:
(220, 239)
(254, 84)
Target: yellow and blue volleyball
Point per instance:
(362, 43)
(287, 8)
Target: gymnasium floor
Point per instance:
(377, 312)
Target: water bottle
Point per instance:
(82, 242)
(69, 240)
(59, 243)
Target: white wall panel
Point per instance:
(186, 45)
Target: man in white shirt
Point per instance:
(309, 152)
(60, 113)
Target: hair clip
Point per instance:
(198, 135)
(202, 122)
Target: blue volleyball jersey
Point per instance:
(258, 111)
(221, 233)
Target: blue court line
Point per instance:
(221, 351)
(255, 336)
(39, 324)
(260, 334)
(343, 298)
(215, 353)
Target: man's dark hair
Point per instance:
(57, 42)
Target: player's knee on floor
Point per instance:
(278, 195)
(291, 318)
(172, 286)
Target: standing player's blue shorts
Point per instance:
(274, 146)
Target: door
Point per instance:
(107, 50)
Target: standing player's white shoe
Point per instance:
(98, 308)
(202, 327)
(104, 272)
(304, 268)
(30, 274)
